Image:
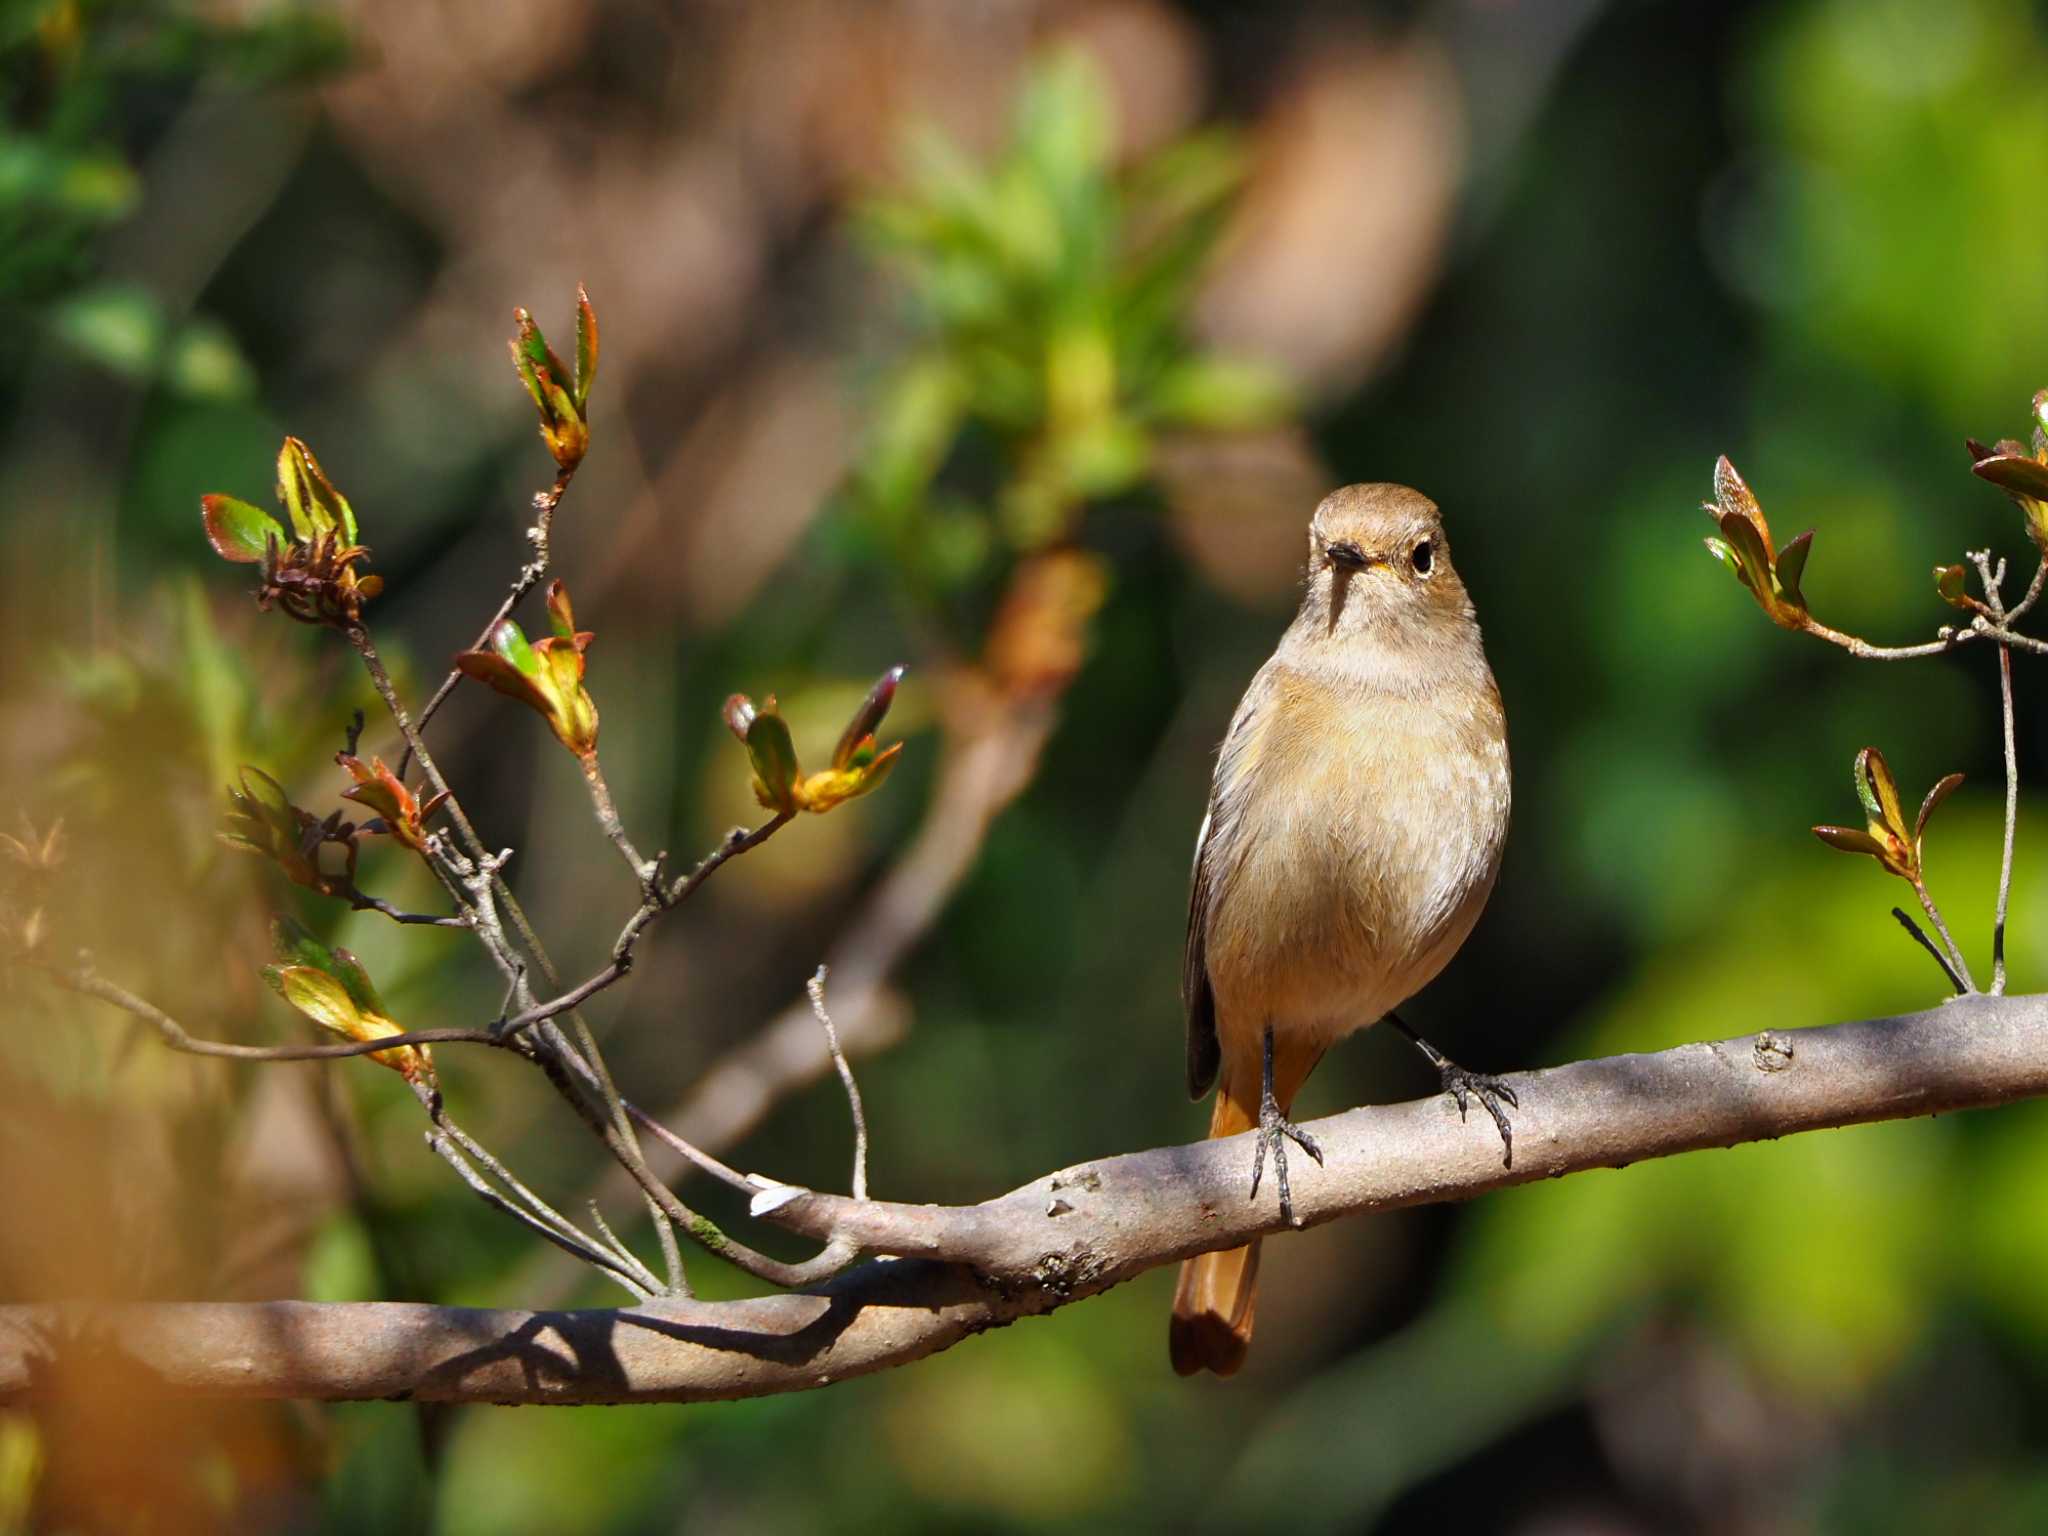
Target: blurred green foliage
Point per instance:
(80, 81)
(1050, 290)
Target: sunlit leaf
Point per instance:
(239, 531)
(1852, 840)
(1792, 564)
(510, 642)
(1941, 791)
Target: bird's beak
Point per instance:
(1350, 557)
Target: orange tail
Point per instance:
(1218, 1292)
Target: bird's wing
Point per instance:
(1212, 863)
(1205, 1052)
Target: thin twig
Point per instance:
(690, 1152)
(860, 1119)
(2019, 609)
(645, 1275)
(618, 1133)
(177, 1038)
(615, 829)
(1994, 582)
(487, 922)
(835, 1256)
(1865, 651)
(737, 842)
(671, 1255)
(361, 901)
(1958, 964)
(2005, 634)
(574, 1245)
(2012, 815)
(990, 756)
(544, 504)
(1920, 937)
(497, 1169)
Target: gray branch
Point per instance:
(1057, 1240)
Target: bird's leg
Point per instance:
(1275, 1130)
(1490, 1091)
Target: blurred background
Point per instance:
(1015, 340)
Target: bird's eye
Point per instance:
(1421, 558)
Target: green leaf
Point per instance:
(561, 617)
(119, 327)
(586, 347)
(773, 755)
(509, 641)
(528, 375)
(238, 530)
(295, 945)
(204, 363)
(878, 770)
(1219, 393)
(348, 970)
(1106, 458)
(267, 794)
(921, 411)
(1753, 560)
(1878, 790)
(1064, 123)
(1792, 564)
(315, 506)
(534, 357)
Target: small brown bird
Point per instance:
(1354, 831)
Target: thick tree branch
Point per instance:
(1058, 1239)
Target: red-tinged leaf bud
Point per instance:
(873, 710)
(2020, 472)
(241, 532)
(739, 715)
(545, 675)
(1951, 582)
(1886, 837)
(1771, 577)
(556, 392)
(311, 574)
(400, 813)
(586, 348)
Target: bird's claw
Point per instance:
(1275, 1131)
(1491, 1092)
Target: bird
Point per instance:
(1354, 832)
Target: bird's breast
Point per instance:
(1366, 836)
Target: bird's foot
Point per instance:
(1275, 1131)
(1463, 1086)
(1491, 1092)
